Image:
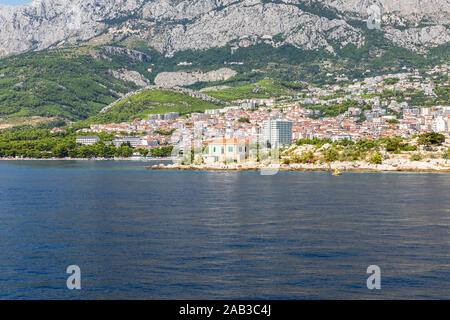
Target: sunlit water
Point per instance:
(145, 234)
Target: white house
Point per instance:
(222, 149)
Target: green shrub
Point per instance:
(331, 155)
(416, 157)
(296, 159)
(244, 120)
(431, 138)
(376, 159)
(307, 157)
(409, 148)
(314, 142)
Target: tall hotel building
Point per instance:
(277, 132)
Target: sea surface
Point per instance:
(142, 234)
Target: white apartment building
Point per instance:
(133, 141)
(278, 132)
(88, 140)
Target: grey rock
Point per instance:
(131, 76)
(246, 22)
(133, 54)
(46, 23)
(415, 39)
(174, 25)
(174, 79)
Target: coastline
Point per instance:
(359, 166)
(86, 159)
(342, 166)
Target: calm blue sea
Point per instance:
(220, 235)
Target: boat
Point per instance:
(337, 172)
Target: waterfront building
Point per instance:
(230, 150)
(133, 141)
(87, 140)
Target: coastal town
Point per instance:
(365, 112)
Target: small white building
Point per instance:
(222, 149)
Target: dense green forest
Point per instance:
(68, 83)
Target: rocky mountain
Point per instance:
(174, 79)
(170, 26)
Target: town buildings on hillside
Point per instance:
(282, 122)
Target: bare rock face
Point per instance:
(180, 79)
(175, 25)
(403, 20)
(45, 23)
(415, 39)
(130, 76)
(247, 22)
(411, 10)
(133, 54)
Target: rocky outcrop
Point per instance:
(438, 166)
(45, 23)
(174, 25)
(248, 22)
(416, 39)
(180, 79)
(436, 11)
(132, 54)
(131, 76)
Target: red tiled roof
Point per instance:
(227, 141)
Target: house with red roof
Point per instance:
(229, 150)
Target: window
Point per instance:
(214, 149)
(230, 149)
(222, 150)
(240, 149)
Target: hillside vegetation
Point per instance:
(67, 83)
(265, 88)
(148, 102)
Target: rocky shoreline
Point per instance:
(358, 166)
(85, 159)
(436, 166)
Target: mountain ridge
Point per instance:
(170, 26)
(71, 59)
